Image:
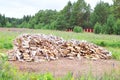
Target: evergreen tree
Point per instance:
(117, 27)
(110, 24)
(97, 28)
(101, 13)
(79, 9)
(116, 10)
(66, 12)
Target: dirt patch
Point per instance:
(14, 29)
(62, 66)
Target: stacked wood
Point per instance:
(40, 47)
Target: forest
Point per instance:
(104, 18)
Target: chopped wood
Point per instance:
(41, 47)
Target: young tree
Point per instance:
(116, 6)
(8, 24)
(97, 28)
(86, 17)
(66, 12)
(117, 27)
(78, 29)
(101, 13)
(110, 24)
(60, 23)
(79, 9)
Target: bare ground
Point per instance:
(62, 66)
(14, 29)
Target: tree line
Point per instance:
(104, 19)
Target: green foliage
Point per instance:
(43, 19)
(3, 57)
(46, 27)
(107, 43)
(117, 27)
(6, 71)
(69, 76)
(93, 19)
(102, 43)
(0, 25)
(39, 26)
(100, 13)
(110, 24)
(6, 40)
(97, 28)
(104, 29)
(3, 20)
(61, 24)
(78, 29)
(8, 24)
(53, 25)
(47, 76)
(116, 8)
(66, 12)
(8, 46)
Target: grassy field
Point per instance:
(110, 42)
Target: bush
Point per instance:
(104, 29)
(110, 24)
(117, 27)
(45, 27)
(53, 25)
(97, 28)
(78, 29)
(7, 72)
(38, 26)
(102, 44)
(7, 45)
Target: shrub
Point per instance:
(7, 72)
(7, 45)
(117, 27)
(102, 43)
(110, 24)
(97, 28)
(78, 29)
(45, 27)
(104, 29)
(39, 26)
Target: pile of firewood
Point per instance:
(40, 47)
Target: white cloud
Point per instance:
(18, 8)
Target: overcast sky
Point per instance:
(18, 8)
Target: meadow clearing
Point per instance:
(110, 42)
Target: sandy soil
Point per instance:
(62, 66)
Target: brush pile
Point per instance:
(40, 47)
